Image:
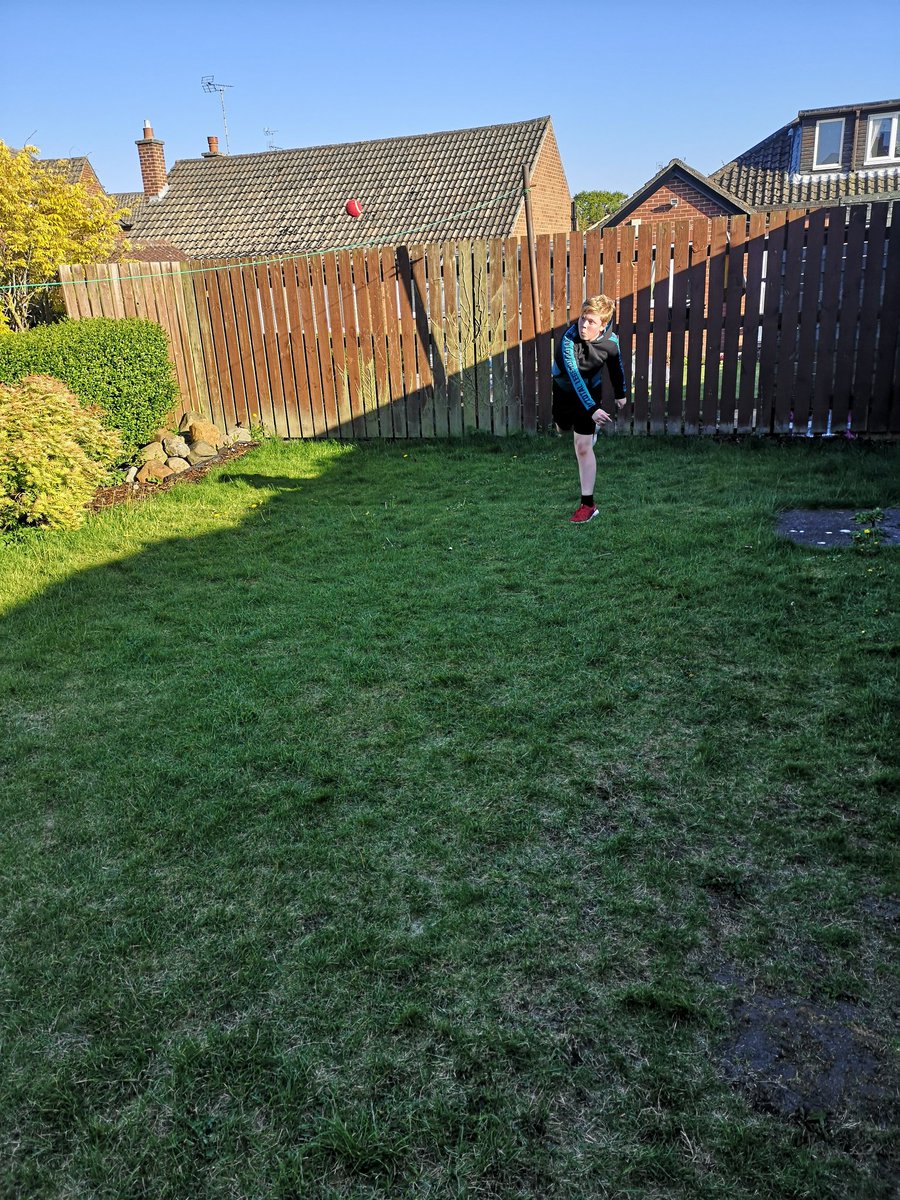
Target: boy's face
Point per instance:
(589, 326)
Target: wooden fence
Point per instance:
(780, 321)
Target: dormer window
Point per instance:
(829, 144)
(883, 139)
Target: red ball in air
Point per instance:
(354, 208)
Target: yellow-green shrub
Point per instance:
(53, 454)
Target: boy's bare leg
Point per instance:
(587, 462)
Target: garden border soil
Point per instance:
(120, 493)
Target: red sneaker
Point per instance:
(584, 512)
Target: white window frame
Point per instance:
(817, 166)
(894, 118)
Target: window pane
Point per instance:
(879, 137)
(828, 143)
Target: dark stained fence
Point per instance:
(780, 322)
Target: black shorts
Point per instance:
(570, 413)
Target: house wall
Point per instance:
(848, 152)
(859, 150)
(691, 203)
(551, 200)
(853, 148)
(90, 181)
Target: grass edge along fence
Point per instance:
(779, 322)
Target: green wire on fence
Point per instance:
(275, 259)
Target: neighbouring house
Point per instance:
(676, 191)
(74, 170)
(464, 183)
(79, 170)
(824, 156)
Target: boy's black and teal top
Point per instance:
(578, 366)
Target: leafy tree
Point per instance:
(45, 221)
(591, 207)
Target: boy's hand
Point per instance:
(621, 403)
(600, 417)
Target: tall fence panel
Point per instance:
(784, 321)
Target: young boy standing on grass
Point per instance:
(584, 349)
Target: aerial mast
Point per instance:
(209, 84)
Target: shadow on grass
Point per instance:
(311, 887)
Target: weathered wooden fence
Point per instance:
(780, 321)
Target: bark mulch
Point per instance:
(105, 497)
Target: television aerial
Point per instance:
(209, 84)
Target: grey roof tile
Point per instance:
(132, 200)
(762, 189)
(69, 168)
(456, 184)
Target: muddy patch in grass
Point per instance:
(800, 1059)
(820, 1067)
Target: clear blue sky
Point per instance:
(628, 86)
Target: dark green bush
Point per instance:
(122, 366)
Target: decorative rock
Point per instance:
(131, 475)
(178, 464)
(153, 452)
(153, 471)
(239, 435)
(175, 447)
(188, 420)
(201, 449)
(205, 431)
(162, 433)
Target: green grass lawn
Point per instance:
(370, 831)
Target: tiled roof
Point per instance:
(132, 200)
(773, 153)
(69, 168)
(457, 184)
(763, 189)
(154, 251)
(73, 170)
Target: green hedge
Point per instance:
(121, 366)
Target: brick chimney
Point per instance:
(153, 163)
(213, 151)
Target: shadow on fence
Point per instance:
(784, 321)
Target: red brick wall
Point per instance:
(691, 203)
(89, 178)
(551, 200)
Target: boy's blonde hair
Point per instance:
(601, 306)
